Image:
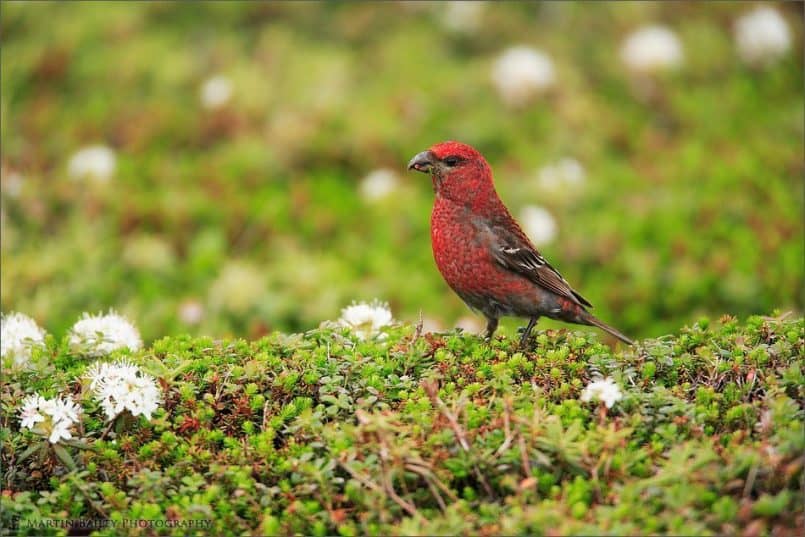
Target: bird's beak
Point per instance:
(422, 162)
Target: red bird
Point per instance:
(484, 255)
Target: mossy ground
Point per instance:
(321, 433)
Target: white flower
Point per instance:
(98, 335)
(762, 36)
(652, 48)
(51, 418)
(603, 390)
(215, 92)
(366, 319)
(94, 162)
(239, 287)
(101, 373)
(520, 73)
(430, 325)
(122, 386)
(567, 173)
(191, 311)
(463, 16)
(60, 431)
(65, 410)
(470, 324)
(18, 335)
(538, 224)
(148, 253)
(12, 183)
(29, 414)
(378, 184)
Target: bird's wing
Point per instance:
(511, 249)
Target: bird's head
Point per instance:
(458, 171)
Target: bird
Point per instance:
(482, 252)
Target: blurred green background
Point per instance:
(247, 214)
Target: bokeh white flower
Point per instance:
(19, 334)
(12, 182)
(538, 224)
(239, 287)
(430, 325)
(565, 174)
(762, 36)
(463, 16)
(148, 252)
(215, 92)
(96, 162)
(521, 73)
(470, 324)
(98, 335)
(604, 390)
(51, 418)
(651, 49)
(365, 319)
(191, 311)
(378, 184)
(122, 386)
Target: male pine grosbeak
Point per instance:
(484, 255)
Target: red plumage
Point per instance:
(482, 252)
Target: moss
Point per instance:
(341, 450)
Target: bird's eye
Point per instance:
(451, 161)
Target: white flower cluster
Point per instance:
(366, 319)
(539, 225)
(463, 16)
(565, 174)
(52, 418)
(604, 390)
(651, 49)
(12, 182)
(521, 73)
(123, 386)
(191, 311)
(239, 287)
(215, 92)
(378, 184)
(18, 335)
(96, 162)
(98, 335)
(762, 36)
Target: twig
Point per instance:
(451, 419)
(108, 428)
(431, 479)
(435, 492)
(506, 428)
(265, 417)
(750, 480)
(365, 481)
(387, 482)
(430, 389)
(95, 505)
(524, 456)
(419, 327)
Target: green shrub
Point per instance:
(322, 434)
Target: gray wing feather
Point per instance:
(515, 252)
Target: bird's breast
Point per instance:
(462, 255)
(459, 254)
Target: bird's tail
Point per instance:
(589, 318)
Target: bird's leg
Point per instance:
(491, 326)
(527, 331)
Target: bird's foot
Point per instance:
(526, 332)
(491, 326)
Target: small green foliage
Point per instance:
(341, 440)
